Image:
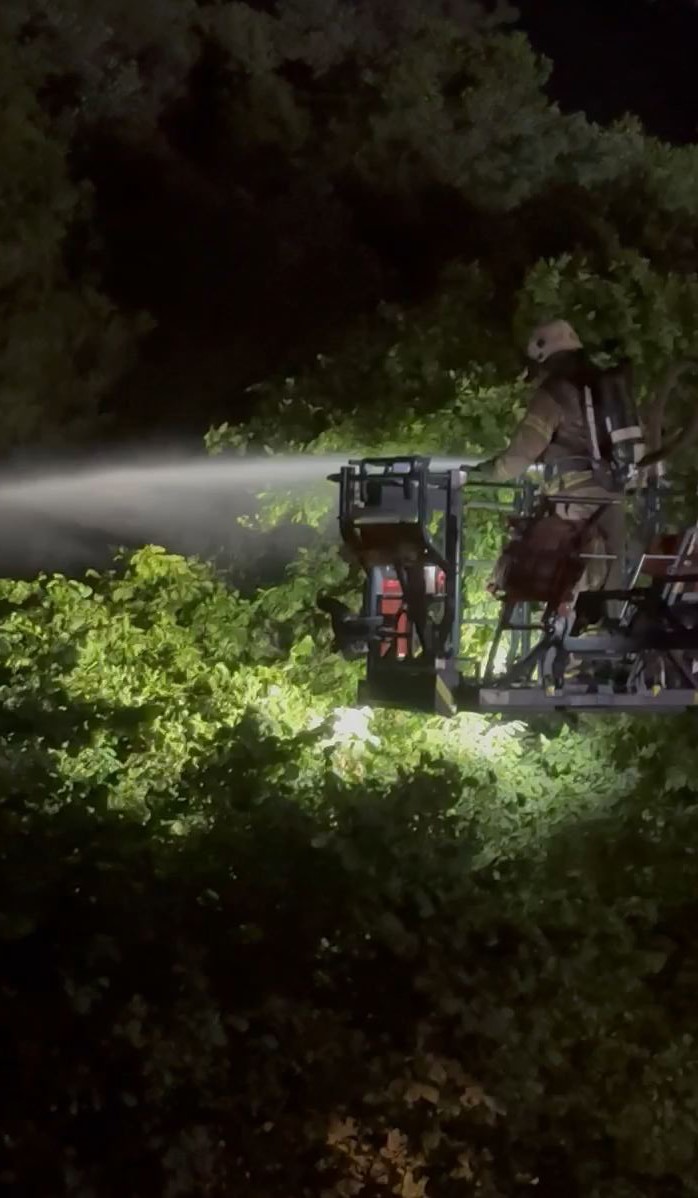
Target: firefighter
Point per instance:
(555, 432)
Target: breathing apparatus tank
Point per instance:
(615, 431)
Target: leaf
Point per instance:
(418, 1091)
(342, 1130)
(411, 1187)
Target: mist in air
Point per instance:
(71, 519)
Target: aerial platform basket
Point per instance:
(405, 522)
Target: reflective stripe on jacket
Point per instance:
(553, 432)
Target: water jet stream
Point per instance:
(71, 519)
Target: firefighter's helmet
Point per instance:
(554, 338)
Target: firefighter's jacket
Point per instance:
(553, 432)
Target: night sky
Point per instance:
(615, 56)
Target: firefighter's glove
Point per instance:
(482, 472)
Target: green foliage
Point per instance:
(652, 315)
(255, 941)
(432, 381)
(165, 658)
(62, 342)
(440, 381)
(350, 153)
(105, 62)
(452, 943)
(441, 941)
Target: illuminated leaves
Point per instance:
(458, 923)
(651, 315)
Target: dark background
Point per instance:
(615, 56)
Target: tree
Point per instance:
(263, 176)
(453, 947)
(63, 343)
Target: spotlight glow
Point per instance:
(352, 724)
